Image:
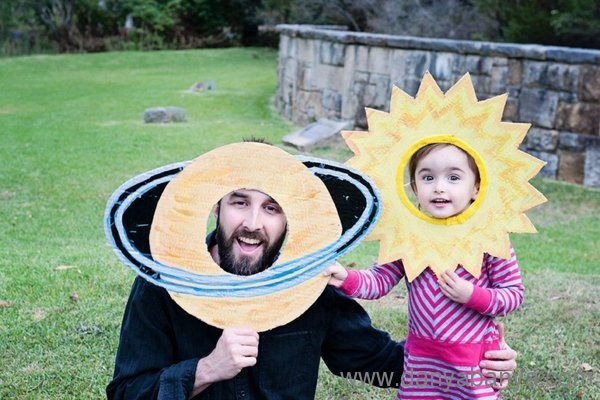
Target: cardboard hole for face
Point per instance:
(443, 188)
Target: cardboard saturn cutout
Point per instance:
(157, 223)
(458, 118)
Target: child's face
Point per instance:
(444, 183)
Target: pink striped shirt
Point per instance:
(449, 335)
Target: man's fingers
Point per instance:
(242, 331)
(246, 351)
(503, 344)
(505, 354)
(498, 366)
(246, 362)
(501, 385)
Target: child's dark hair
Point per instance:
(425, 150)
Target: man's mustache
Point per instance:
(256, 235)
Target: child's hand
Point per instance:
(337, 274)
(455, 288)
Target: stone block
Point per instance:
(515, 72)
(591, 173)
(534, 73)
(499, 62)
(511, 109)
(397, 64)
(361, 58)
(287, 91)
(550, 170)
(287, 111)
(332, 100)
(551, 75)
(379, 60)
(283, 46)
(327, 76)
(459, 65)
(308, 51)
(590, 83)
(538, 106)
(542, 139)
(563, 76)
(473, 64)
(290, 68)
(572, 141)
(499, 79)
(315, 134)
(164, 115)
(332, 53)
(203, 86)
(442, 64)
(304, 76)
(292, 47)
(483, 85)
(360, 118)
(361, 77)
(570, 166)
(487, 63)
(309, 100)
(409, 85)
(579, 117)
(381, 90)
(568, 97)
(417, 63)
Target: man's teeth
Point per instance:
(248, 240)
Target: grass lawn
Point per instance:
(71, 132)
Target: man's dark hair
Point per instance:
(253, 139)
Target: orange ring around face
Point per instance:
(177, 235)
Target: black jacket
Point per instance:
(160, 346)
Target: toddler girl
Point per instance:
(450, 320)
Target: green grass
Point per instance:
(71, 133)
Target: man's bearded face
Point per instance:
(250, 232)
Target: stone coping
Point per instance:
(528, 51)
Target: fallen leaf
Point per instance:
(586, 367)
(74, 296)
(4, 304)
(64, 267)
(580, 394)
(351, 264)
(39, 315)
(556, 298)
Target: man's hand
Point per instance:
(455, 288)
(500, 363)
(237, 348)
(337, 274)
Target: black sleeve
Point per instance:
(354, 349)
(145, 367)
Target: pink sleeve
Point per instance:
(506, 292)
(374, 282)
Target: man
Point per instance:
(168, 354)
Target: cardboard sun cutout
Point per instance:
(455, 117)
(157, 224)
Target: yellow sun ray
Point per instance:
(455, 117)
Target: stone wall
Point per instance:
(335, 74)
